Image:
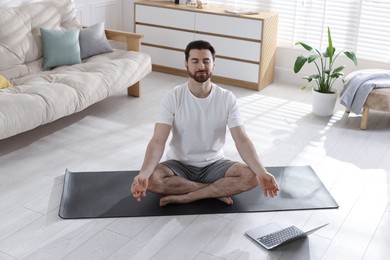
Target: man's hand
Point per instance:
(268, 184)
(139, 187)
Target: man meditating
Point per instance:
(197, 113)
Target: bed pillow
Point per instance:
(60, 47)
(4, 83)
(93, 41)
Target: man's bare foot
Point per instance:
(180, 199)
(174, 199)
(227, 200)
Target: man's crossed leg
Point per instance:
(238, 178)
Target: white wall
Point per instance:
(88, 11)
(11, 3)
(128, 15)
(93, 11)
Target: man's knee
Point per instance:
(250, 177)
(247, 176)
(156, 180)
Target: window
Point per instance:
(359, 25)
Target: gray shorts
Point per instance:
(207, 174)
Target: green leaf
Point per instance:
(330, 46)
(308, 78)
(338, 69)
(327, 52)
(315, 76)
(304, 45)
(299, 62)
(312, 58)
(337, 75)
(305, 86)
(351, 55)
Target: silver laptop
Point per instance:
(273, 235)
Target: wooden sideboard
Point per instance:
(245, 44)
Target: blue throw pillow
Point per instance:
(60, 47)
(93, 41)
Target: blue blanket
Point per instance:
(358, 86)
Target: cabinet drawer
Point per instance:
(227, 25)
(237, 70)
(164, 17)
(233, 48)
(164, 37)
(164, 57)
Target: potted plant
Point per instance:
(324, 98)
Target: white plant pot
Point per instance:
(323, 103)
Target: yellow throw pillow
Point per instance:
(4, 83)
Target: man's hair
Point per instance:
(199, 45)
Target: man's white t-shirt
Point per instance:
(198, 124)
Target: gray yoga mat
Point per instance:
(107, 194)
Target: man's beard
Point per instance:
(200, 78)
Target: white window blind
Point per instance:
(362, 26)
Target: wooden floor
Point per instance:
(112, 135)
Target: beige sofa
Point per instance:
(41, 96)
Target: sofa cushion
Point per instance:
(60, 47)
(93, 41)
(4, 83)
(18, 49)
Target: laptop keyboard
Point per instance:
(278, 237)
